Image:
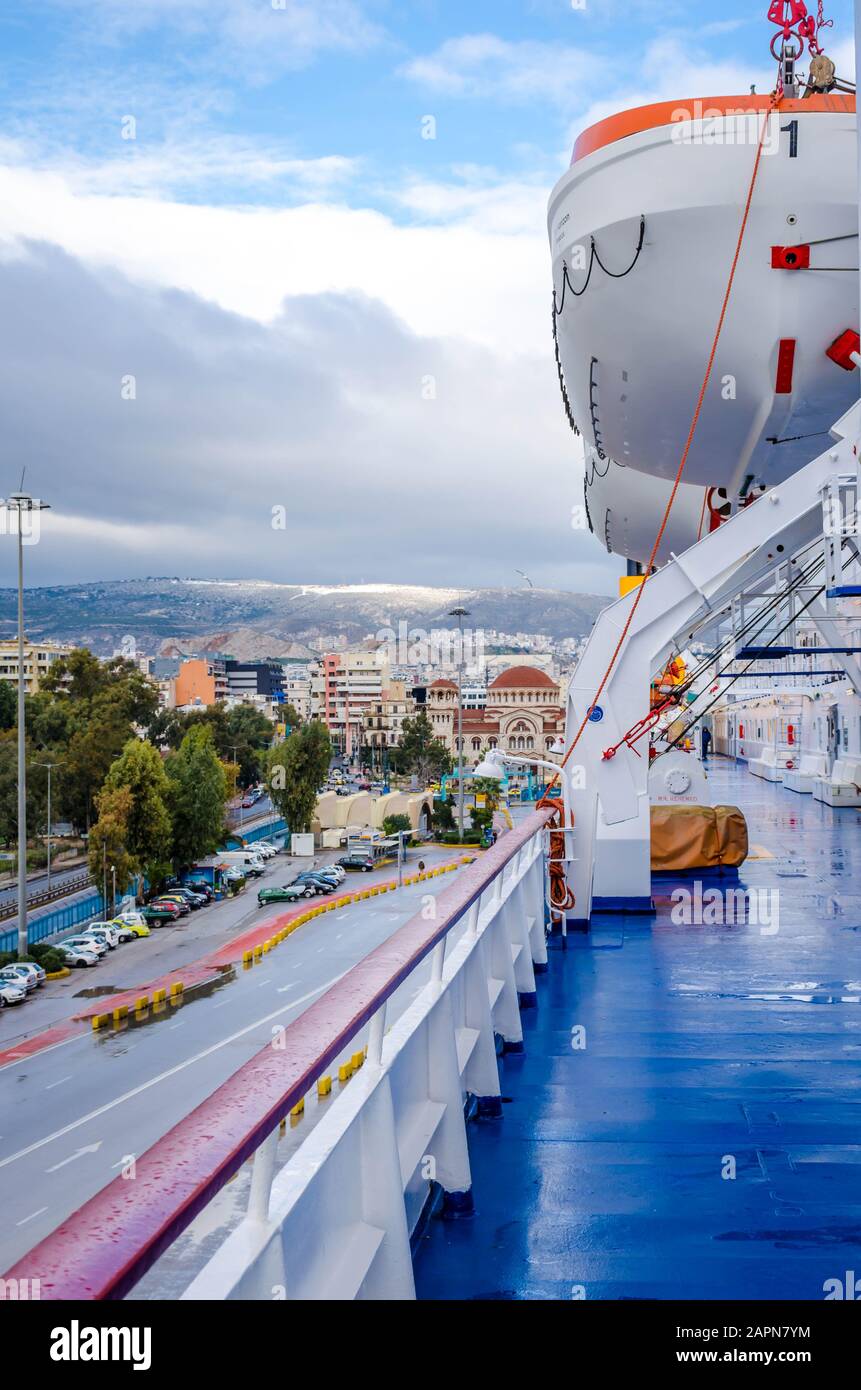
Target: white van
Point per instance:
(251, 864)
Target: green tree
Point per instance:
(393, 824)
(242, 730)
(290, 716)
(488, 787)
(82, 679)
(199, 789)
(93, 747)
(420, 752)
(8, 705)
(148, 842)
(250, 733)
(109, 837)
(295, 771)
(37, 780)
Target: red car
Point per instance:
(177, 908)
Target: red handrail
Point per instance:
(106, 1247)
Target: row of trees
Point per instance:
(156, 814)
(81, 720)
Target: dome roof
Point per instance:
(442, 685)
(523, 678)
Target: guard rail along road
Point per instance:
(335, 1222)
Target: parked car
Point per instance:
(336, 869)
(317, 882)
(110, 935)
(87, 943)
(314, 876)
(10, 993)
(268, 851)
(180, 905)
(113, 934)
(137, 928)
(21, 979)
(357, 860)
(77, 955)
(246, 802)
(198, 886)
(28, 967)
(288, 893)
(160, 915)
(194, 901)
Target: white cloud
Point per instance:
(675, 71)
(260, 37)
(462, 279)
(324, 412)
(484, 65)
(204, 162)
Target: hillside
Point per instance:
(254, 618)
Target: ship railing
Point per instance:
(337, 1219)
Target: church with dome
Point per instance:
(523, 714)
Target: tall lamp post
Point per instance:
(50, 767)
(24, 505)
(234, 750)
(460, 614)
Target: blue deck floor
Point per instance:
(703, 1043)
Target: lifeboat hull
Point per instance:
(634, 346)
(625, 509)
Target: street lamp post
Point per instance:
(234, 750)
(22, 502)
(113, 891)
(50, 767)
(460, 614)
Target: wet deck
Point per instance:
(705, 1047)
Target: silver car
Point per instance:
(11, 994)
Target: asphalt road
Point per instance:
(74, 1113)
(138, 962)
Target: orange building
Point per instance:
(195, 683)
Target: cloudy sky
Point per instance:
(274, 282)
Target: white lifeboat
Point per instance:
(643, 228)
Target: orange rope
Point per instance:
(561, 897)
(776, 99)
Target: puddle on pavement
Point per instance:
(154, 1013)
(98, 990)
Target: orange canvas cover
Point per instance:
(697, 837)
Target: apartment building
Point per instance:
(39, 657)
(383, 720)
(344, 685)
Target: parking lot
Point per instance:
(170, 948)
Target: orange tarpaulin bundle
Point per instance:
(698, 837)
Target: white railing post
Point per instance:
(481, 1074)
(450, 1150)
(262, 1173)
(514, 915)
(534, 898)
(506, 1010)
(376, 1034)
(391, 1273)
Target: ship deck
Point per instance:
(706, 1047)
